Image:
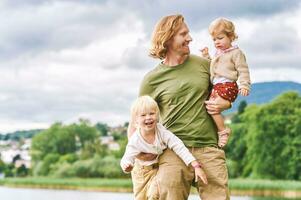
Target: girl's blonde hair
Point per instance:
(222, 25)
(165, 29)
(143, 104)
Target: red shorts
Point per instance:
(227, 90)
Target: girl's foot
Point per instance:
(223, 137)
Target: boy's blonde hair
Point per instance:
(165, 29)
(222, 25)
(143, 104)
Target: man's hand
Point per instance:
(146, 156)
(244, 92)
(217, 106)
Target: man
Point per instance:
(180, 85)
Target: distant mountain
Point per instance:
(265, 92)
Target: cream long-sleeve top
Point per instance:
(231, 65)
(163, 139)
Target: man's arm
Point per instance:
(216, 107)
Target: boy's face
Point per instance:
(222, 41)
(147, 121)
(180, 41)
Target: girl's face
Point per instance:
(147, 121)
(222, 41)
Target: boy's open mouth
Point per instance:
(149, 122)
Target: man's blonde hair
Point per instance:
(222, 25)
(165, 29)
(143, 104)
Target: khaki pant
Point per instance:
(174, 178)
(142, 177)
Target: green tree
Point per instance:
(241, 107)
(277, 138)
(2, 166)
(58, 139)
(102, 128)
(266, 143)
(64, 145)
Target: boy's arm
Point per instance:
(175, 144)
(128, 158)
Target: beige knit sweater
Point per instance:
(231, 65)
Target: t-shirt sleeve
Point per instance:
(145, 87)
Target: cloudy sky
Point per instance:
(64, 60)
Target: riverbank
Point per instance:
(240, 187)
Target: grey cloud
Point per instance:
(34, 26)
(137, 58)
(200, 13)
(39, 105)
(55, 26)
(274, 45)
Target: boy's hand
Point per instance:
(244, 92)
(128, 168)
(199, 173)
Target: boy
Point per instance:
(152, 137)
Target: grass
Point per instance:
(126, 184)
(248, 184)
(70, 183)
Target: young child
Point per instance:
(152, 137)
(226, 67)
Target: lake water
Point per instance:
(7, 193)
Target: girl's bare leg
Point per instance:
(223, 131)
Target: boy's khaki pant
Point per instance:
(174, 178)
(142, 177)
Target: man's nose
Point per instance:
(189, 38)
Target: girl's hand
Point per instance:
(205, 52)
(244, 92)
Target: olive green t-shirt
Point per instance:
(180, 92)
